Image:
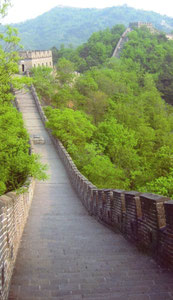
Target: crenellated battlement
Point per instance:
(37, 58)
(35, 54)
(141, 24)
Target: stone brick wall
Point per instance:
(121, 42)
(141, 24)
(145, 219)
(13, 215)
(124, 38)
(30, 59)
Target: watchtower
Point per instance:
(142, 24)
(37, 58)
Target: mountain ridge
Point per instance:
(73, 26)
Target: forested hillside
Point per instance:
(112, 118)
(94, 52)
(16, 164)
(68, 25)
(153, 53)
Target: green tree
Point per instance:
(145, 48)
(15, 162)
(8, 62)
(119, 144)
(97, 106)
(71, 127)
(3, 8)
(162, 185)
(65, 71)
(44, 82)
(107, 175)
(165, 82)
(130, 126)
(86, 84)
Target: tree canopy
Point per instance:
(16, 163)
(154, 54)
(71, 26)
(94, 52)
(113, 119)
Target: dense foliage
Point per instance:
(68, 25)
(112, 119)
(154, 53)
(15, 162)
(149, 52)
(98, 48)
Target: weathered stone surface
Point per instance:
(13, 214)
(5, 200)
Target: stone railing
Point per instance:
(145, 219)
(14, 209)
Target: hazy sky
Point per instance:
(27, 9)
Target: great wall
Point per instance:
(124, 37)
(37, 58)
(65, 253)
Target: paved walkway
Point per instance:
(67, 255)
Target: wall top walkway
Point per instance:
(124, 38)
(121, 43)
(65, 253)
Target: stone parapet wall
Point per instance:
(145, 219)
(141, 24)
(121, 42)
(13, 215)
(124, 38)
(35, 54)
